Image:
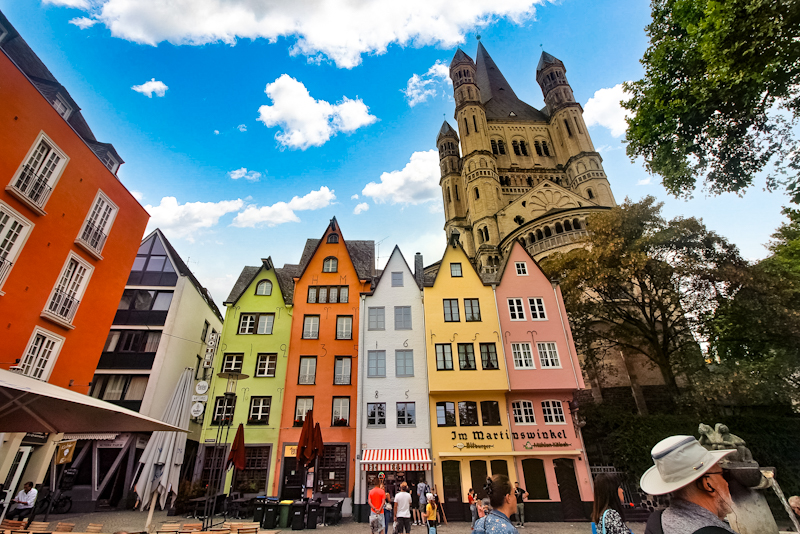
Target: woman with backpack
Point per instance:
(607, 514)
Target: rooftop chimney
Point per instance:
(418, 274)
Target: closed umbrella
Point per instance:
(319, 445)
(236, 457)
(163, 456)
(305, 443)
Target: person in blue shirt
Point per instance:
(504, 505)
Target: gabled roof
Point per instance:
(507, 259)
(362, 254)
(497, 96)
(249, 274)
(379, 277)
(446, 131)
(461, 57)
(184, 270)
(432, 271)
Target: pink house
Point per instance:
(544, 374)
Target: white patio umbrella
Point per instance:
(163, 456)
(30, 405)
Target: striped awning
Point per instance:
(396, 460)
(105, 436)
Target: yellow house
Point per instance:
(467, 380)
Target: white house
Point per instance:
(393, 417)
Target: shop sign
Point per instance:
(117, 443)
(290, 451)
(35, 438)
(541, 434)
(201, 387)
(530, 446)
(65, 451)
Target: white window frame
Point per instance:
(540, 314)
(57, 343)
(453, 270)
(233, 363)
(342, 411)
(399, 313)
(376, 420)
(521, 267)
(85, 241)
(59, 319)
(340, 378)
(397, 279)
(554, 411)
(301, 406)
(260, 409)
(307, 376)
(376, 356)
(515, 307)
(518, 351)
(12, 252)
(379, 316)
(546, 349)
(346, 329)
(38, 205)
(265, 283)
(397, 414)
(406, 353)
(330, 265)
(264, 363)
(523, 410)
(110, 162)
(311, 327)
(61, 101)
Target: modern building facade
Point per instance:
(69, 231)
(254, 343)
(393, 420)
(321, 375)
(544, 375)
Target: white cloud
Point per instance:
(250, 176)
(339, 30)
(283, 212)
(183, 220)
(78, 4)
(354, 197)
(604, 109)
(360, 208)
(216, 132)
(305, 121)
(422, 87)
(644, 181)
(138, 195)
(242, 127)
(153, 86)
(83, 22)
(417, 183)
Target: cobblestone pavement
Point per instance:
(133, 521)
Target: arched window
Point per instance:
(547, 231)
(567, 226)
(494, 147)
(589, 194)
(264, 287)
(539, 235)
(501, 147)
(480, 236)
(559, 228)
(330, 265)
(486, 233)
(545, 149)
(576, 224)
(531, 238)
(483, 162)
(466, 127)
(477, 194)
(498, 192)
(523, 147)
(538, 147)
(448, 195)
(455, 186)
(333, 238)
(515, 145)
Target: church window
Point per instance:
(486, 233)
(539, 235)
(593, 164)
(480, 236)
(448, 195)
(538, 148)
(466, 126)
(498, 193)
(515, 145)
(483, 162)
(474, 123)
(469, 92)
(531, 238)
(567, 226)
(578, 125)
(477, 194)
(494, 147)
(576, 224)
(501, 147)
(589, 194)
(547, 231)
(545, 149)
(566, 125)
(559, 228)
(457, 197)
(523, 147)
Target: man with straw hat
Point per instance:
(699, 494)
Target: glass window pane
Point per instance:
(156, 263)
(163, 300)
(143, 299)
(138, 263)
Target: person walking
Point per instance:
(402, 509)
(607, 514)
(388, 513)
(422, 492)
(473, 506)
(504, 504)
(521, 495)
(699, 493)
(377, 497)
(416, 515)
(430, 512)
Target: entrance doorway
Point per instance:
(451, 478)
(14, 476)
(571, 505)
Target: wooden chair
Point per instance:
(94, 528)
(39, 526)
(192, 526)
(248, 530)
(65, 527)
(170, 527)
(9, 524)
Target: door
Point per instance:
(14, 474)
(571, 505)
(451, 478)
(292, 479)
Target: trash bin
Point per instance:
(270, 514)
(313, 512)
(285, 507)
(258, 513)
(298, 515)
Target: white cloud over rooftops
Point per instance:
(83, 22)
(420, 88)
(250, 176)
(153, 86)
(416, 183)
(337, 30)
(184, 220)
(604, 109)
(283, 212)
(305, 121)
(360, 208)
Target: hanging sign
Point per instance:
(201, 388)
(211, 349)
(65, 451)
(199, 398)
(197, 409)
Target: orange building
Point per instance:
(321, 372)
(69, 231)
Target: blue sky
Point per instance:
(271, 116)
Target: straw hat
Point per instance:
(679, 460)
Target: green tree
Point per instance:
(643, 284)
(720, 93)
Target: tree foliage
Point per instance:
(645, 285)
(720, 93)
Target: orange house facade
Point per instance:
(69, 231)
(321, 373)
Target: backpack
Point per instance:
(654, 526)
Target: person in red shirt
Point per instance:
(377, 497)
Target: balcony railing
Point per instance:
(306, 379)
(555, 241)
(63, 305)
(94, 236)
(33, 187)
(340, 380)
(5, 267)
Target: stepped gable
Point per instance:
(497, 96)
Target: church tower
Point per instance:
(452, 187)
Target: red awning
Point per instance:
(396, 460)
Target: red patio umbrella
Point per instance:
(236, 458)
(318, 445)
(306, 442)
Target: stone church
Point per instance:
(516, 173)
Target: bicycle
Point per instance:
(61, 506)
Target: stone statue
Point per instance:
(732, 441)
